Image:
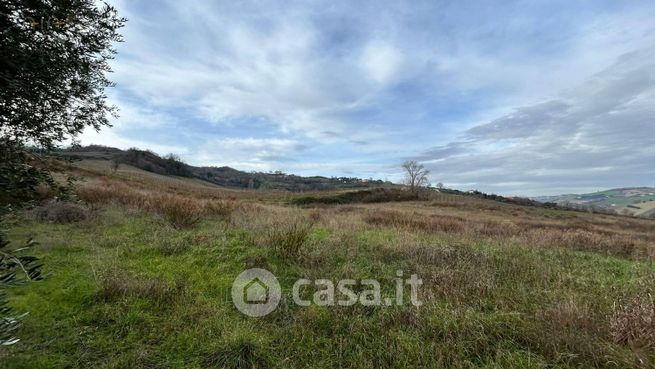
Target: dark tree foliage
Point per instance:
(53, 61)
(20, 177)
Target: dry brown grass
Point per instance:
(633, 322)
(435, 223)
(570, 315)
(61, 212)
(106, 192)
(117, 284)
(580, 240)
(619, 237)
(184, 203)
(179, 211)
(99, 171)
(289, 237)
(285, 230)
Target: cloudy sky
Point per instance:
(510, 97)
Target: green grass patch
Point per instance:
(130, 292)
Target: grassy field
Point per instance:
(143, 280)
(644, 208)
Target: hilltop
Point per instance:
(218, 175)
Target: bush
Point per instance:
(364, 196)
(221, 208)
(288, 239)
(179, 211)
(111, 192)
(61, 212)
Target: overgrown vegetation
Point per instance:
(61, 212)
(504, 285)
(633, 321)
(177, 210)
(289, 237)
(363, 196)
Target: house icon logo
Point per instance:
(256, 292)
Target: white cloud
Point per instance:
(248, 153)
(382, 80)
(381, 61)
(599, 134)
(112, 139)
(132, 118)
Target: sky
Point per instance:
(510, 97)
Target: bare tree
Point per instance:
(415, 174)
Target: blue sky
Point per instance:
(510, 97)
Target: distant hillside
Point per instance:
(634, 200)
(222, 176)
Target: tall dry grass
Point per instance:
(116, 284)
(61, 212)
(289, 237)
(633, 320)
(284, 230)
(180, 211)
(575, 235)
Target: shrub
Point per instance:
(61, 212)
(111, 192)
(221, 208)
(288, 239)
(178, 211)
(363, 196)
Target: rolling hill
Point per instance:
(141, 268)
(222, 176)
(635, 200)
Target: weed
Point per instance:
(288, 238)
(168, 246)
(61, 212)
(240, 353)
(178, 211)
(116, 284)
(220, 208)
(633, 321)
